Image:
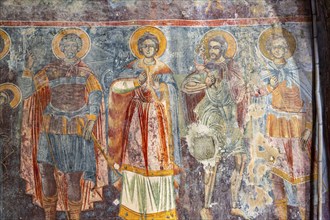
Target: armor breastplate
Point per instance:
(68, 97)
(287, 99)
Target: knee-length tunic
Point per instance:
(66, 96)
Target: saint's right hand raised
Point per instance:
(273, 81)
(209, 81)
(142, 78)
(29, 60)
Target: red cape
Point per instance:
(33, 108)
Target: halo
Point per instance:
(86, 42)
(7, 43)
(133, 43)
(16, 92)
(266, 34)
(231, 41)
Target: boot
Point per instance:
(49, 205)
(281, 209)
(74, 209)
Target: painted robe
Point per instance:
(288, 115)
(223, 106)
(144, 141)
(65, 97)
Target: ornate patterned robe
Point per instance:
(144, 141)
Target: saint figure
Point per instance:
(63, 130)
(144, 135)
(288, 121)
(10, 98)
(217, 134)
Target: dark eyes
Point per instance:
(148, 46)
(279, 47)
(215, 48)
(68, 46)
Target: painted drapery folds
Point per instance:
(109, 115)
(58, 118)
(149, 149)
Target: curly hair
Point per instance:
(221, 40)
(72, 38)
(276, 37)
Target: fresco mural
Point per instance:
(62, 112)
(10, 98)
(167, 115)
(146, 137)
(217, 131)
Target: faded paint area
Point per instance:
(257, 149)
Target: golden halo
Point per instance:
(7, 43)
(230, 39)
(266, 34)
(16, 92)
(86, 42)
(133, 43)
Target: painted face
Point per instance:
(278, 49)
(215, 50)
(148, 48)
(70, 49)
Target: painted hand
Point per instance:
(87, 134)
(142, 78)
(305, 138)
(29, 60)
(273, 81)
(209, 81)
(199, 67)
(155, 82)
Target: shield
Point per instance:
(203, 148)
(202, 143)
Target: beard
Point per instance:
(214, 56)
(70, 55)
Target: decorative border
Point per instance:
(143, 172)
(127, 213)
(291, 179)
(174, 22)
